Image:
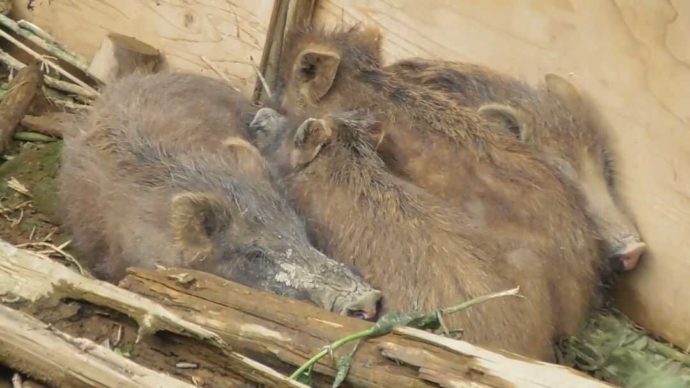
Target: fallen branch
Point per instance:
(45, 60)
(48, 45)
(32, 347)
(22, 90)
(62, 86)
(30, 277)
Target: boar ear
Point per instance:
(508, 118)
(196, 219)
(315, 71)
(309, 139)
(562, 88)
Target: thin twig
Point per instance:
(68, 105)
(463, 306)
(218, 72)
(118, 336)
(59, 250)
(14, 184)
(262, 79)
(49, 235)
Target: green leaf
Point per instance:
(343, 364)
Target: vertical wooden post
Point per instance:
(287, 16)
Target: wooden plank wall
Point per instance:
(225, 33)
(632, 56)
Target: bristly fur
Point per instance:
(451, 151)
(562, 121)
(154, 174)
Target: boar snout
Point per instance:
(365, 306)
(340, 290)
(626, 257)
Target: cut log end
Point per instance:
(120, 55)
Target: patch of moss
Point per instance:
(36, 167)
(614, 349)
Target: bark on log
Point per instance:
(280, 333)
(48, 124)
(25, 276)
(22, 90)
(31, 347)
(285, 333)
(120, 55)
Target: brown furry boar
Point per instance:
(155, 174)
(421, 252)
(451, 151)
(559, 121)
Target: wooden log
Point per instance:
(22, 90)
(48, 124)
(32, 347)
(120, 55)
(26, 276)
(285, 333)
(278, 333)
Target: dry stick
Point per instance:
(49, 81)
(262, 79)
(218, 72)
(59, 250)
(42, 58)
(49, 46)
(13, 107)
(69, 105)
(36, 30)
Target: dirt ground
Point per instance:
(29, 218)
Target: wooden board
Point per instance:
(225, 32)
(631, 56)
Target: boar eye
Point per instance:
(255, 254)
